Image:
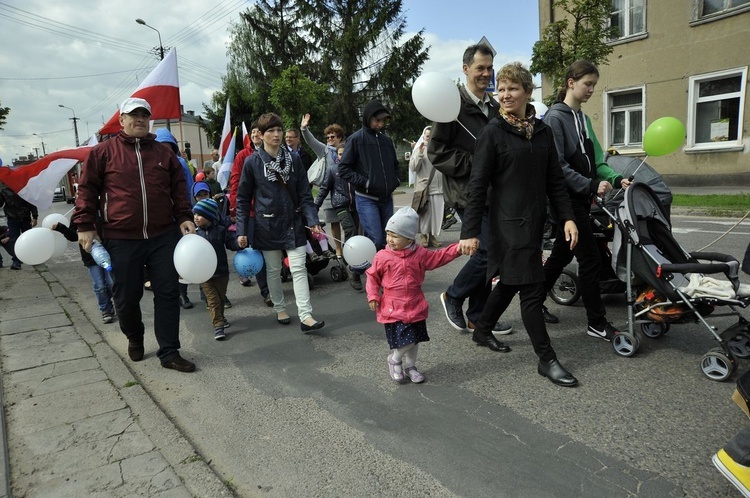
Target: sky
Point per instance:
(89, 55)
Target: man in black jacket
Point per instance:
(451, 150)
(370, 164)
(21, 215)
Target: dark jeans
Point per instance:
(738, 448)
(471, 281)
(532, 297)
(349, 222)
(374, 215)
(15, 228)
(262, 281)
(128, 259)
(589, 260)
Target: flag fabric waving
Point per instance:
(226, 134)
(226, 162)
(245, 137)
(36, 182)
(161, 89)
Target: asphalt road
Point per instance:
(280, 413)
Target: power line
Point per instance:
(67, 77)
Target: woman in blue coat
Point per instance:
(274, 186)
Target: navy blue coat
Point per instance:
(276, 224)
(220, 239)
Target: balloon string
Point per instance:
(329, 236)
(631, 177)
(467, 130)
(71, 210)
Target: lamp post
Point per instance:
(161, 47)
(44, 150)
(75, 121)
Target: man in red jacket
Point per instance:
(138, 186)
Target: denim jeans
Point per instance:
(471, 281)
(297, 266)
(129, 256)
(102, 287)
(373, 216)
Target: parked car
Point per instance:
(59, 195)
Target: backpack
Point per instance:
(316, 175)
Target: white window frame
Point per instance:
(699, 18)
(627, 35)
(630, 147)
(694, 100)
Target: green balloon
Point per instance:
(663, 136)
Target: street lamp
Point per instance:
(44, 151)
(161, 47)
(75, 121)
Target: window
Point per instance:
(625, 110)
(710, 7)
(629, 17)
(716, 102)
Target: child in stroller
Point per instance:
(318, 256)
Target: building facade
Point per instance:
(190, 136)
(686, 59)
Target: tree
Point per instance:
(294, 94)
(582, 33)
(4, 111)
(354, 49)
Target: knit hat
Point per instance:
(199, 186)
(208, 209)
(404, 222)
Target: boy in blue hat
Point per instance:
(206, 218)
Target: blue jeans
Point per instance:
(102, 287)
(15, 228)
(472, 281)
(373, 216)
(129, 256)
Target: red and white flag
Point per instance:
(245, 137)
(36, 182)
(226, 162)
(161, 89)
(226, 135)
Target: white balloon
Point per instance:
(359, 251)
(35, 246)
(541, 109)
(53, 218)
(61, 244)
(194, 259)
(436, 97)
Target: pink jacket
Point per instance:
(400, 274)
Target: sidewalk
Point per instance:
(77, 421)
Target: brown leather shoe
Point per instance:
(179, 363)
(135, 349)
(434, 242)
(424, 240)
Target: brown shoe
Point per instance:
(424, 241)
(135, 349)
(434, 242)
(179, 363)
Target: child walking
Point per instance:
(398, 270)
(206, 217)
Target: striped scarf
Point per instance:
(279, 167)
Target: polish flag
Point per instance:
(36, 182)
(226, 162)
(226, 135)
(161, 89)
(245, 137)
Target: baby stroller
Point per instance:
(567, 288)
(658, 272)
(314, 262)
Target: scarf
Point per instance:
(524, 125)
(279, 167)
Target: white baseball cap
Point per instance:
(131, 104)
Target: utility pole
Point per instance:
(44, 150)
(75, 122)
(161, 50)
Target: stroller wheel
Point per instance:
(336, 274)
(739, 345)
(567, 289)
(718, 365)
(654, 330)
(625, 344)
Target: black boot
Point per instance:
(185, 302)
(556, 373)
